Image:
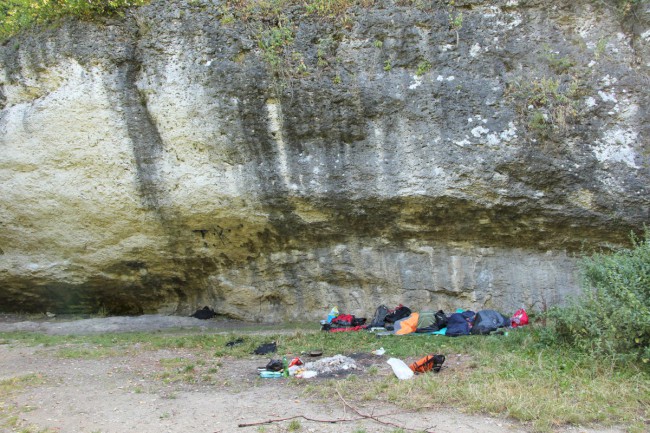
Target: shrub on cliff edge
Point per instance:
(612, 317)
(16, 15)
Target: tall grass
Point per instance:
(523, 376)
(548, 389)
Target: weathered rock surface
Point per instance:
(188, 155)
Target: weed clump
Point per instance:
(548, 104)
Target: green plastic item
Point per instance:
(285, 367)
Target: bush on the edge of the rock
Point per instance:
(612, 316)
(18, 15)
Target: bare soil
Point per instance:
(142, 391)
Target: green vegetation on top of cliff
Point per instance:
(17, 15)
(20, 15)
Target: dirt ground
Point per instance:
(126, 393)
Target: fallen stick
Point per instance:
(376, 418)
(326, 421)
(337, 420)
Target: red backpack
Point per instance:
(520, 318)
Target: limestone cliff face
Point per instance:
(189, 154)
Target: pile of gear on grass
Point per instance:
(402, 321)
(295, 367)
(398, 321)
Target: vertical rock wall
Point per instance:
(190, 154)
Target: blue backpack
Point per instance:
(487, 321)
(457, 325)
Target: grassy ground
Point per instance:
(524, 375)
(9, 412)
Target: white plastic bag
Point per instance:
(308, 374)
(401, 370)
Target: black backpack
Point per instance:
(441, 319)
(398, 313)
(379, 317)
